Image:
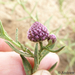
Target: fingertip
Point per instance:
(42, 72)
(48, 61)
(3, 46)
(10, 62)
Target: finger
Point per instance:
(3, 46)
(11, 64)
(48, 61)
(42, 72)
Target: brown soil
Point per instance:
(46, 9)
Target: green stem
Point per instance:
(29, 52)
(15, 43)
(41, 46)
(12, 41)
(18, 45)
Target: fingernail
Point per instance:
(42, 72)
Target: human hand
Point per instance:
(11, 63)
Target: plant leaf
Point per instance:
(55, 50)
(14, 7)
(27, 66)
(19, 1)
(60, 4)
(25, 49)
(1, 30)
(3, 33)
(52, 67)
(36, 58)
(17, 51)
(16, 34)
(57, 72)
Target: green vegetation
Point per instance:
(69, 49)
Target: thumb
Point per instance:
(42, 72)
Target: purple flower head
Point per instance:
(52, 37)
(37, 32)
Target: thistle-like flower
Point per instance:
(52, 37)
(37, 32)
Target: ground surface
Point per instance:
(45, 9)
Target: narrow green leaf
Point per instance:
(57, 72)
(60, 3)
(63, 51)
(3, 33)
(27, 66)
(19, 1)
(55, 50)
(25, 49)
(52, 67)
(72, 44)
(17, 35)
(1, 29)
(66, 69)
(17, 51)
(46, 51)
(14, 7)
(36, 58)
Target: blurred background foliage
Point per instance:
(62, 32)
